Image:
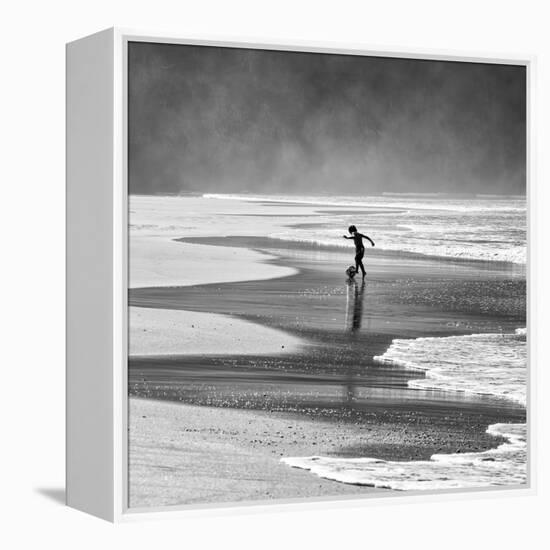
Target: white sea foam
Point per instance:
(485, 364)
(415, 244)
(505, 465)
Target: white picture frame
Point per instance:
(97, 278)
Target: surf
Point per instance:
(483, 364)
(489, 230)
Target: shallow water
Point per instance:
(505, 465)
(486, 228)
(482, 364)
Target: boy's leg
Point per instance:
(359, 263)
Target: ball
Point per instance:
(350, 271)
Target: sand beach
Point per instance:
(246, 349)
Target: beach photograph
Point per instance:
(327, 276)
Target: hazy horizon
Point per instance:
(290, 193)
(230, 120)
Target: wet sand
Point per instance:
(346, 404)
(401, 296)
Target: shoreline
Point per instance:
(162, 262)
(404, 298)
(164, 331)
(215, 454)
(480, 299)
(257, 243)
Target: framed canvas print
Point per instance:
(295, 274)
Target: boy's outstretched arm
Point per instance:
(368, 239)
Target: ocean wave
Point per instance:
(399, 202)
(505, 465)
(484, 364)
(397, 242)
(462, 229)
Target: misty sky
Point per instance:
(239, 120)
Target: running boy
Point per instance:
(359, 248)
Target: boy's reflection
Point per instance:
(354, 317)
(354, 305)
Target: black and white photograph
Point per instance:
(275, 275)
(327, 275)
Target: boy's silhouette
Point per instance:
(359, 247)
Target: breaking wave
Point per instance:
(484, 364)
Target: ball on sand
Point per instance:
(350, 271)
